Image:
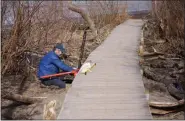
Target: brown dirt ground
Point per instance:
(15, 110)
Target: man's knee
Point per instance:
(60, 83)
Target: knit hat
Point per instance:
(61, 47)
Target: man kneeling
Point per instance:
(51, 64)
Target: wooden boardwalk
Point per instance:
(114, 89)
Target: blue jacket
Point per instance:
(51, 64)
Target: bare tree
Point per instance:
(85, 16)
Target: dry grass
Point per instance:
(19, 37)
(170, 14)
(168, 25)
(109, 12)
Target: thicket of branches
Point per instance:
(17, 21)
(169, 15)
(35, 26)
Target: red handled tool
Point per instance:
(74, 72)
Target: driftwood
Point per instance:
(161, 111)
(146, 54)
(85, 16)
(164, 111)
(150, 74)
(23, 99)
(167, 80)
(152, 85)
(163, 103)
(166, 104)
(162, 58)
(155, 53)
(165, 69)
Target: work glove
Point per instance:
(74, 68)
(74, 72)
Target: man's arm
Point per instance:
(62, 65)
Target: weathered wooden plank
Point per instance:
(134, 107)
(105, 114)
(123, 84)
(114, 89)
(106, 100)
(104, 95)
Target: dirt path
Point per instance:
(114, 90)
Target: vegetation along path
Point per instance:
(114, 89)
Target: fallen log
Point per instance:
(155, 58)
(146, 54)
(155, 53)
(23, 99)
(162, 62)
(166, 104)
(151, 74)
(162, 57)
(177, 93)
(152, 85)
(161, 111)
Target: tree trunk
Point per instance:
(82, 49)
(85, 16)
